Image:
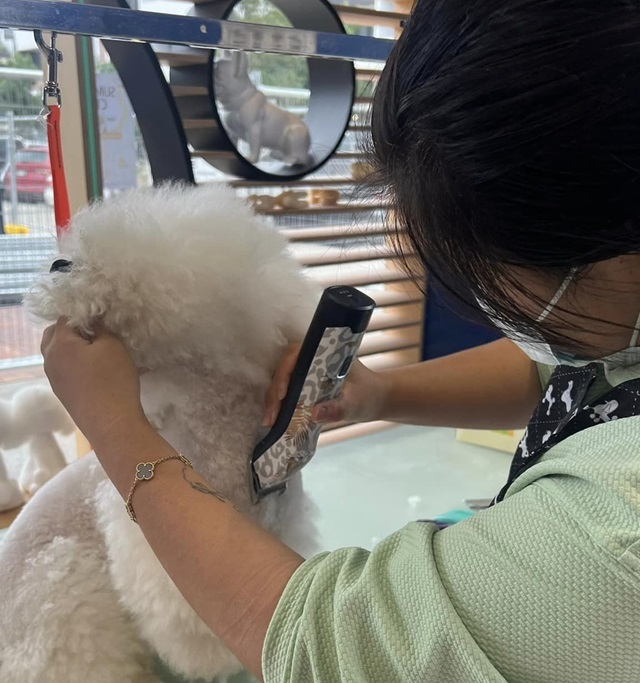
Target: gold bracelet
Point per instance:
(144, 472)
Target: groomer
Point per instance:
(508, 135)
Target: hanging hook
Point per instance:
(53, 56)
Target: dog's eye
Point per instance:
(60, 266)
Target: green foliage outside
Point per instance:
(18, 94)
(283, 71)
(105, 68)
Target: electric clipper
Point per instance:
(326, 355)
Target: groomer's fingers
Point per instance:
(283, 372)
(60, 335)
(67, 334)
(47, 338)
(99, 329)
(332, 411)
(280, 383)
(53, 333)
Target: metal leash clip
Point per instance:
(51, 94)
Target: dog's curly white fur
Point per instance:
(205, 300)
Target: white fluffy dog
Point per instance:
(205, 299)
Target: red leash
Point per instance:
(60, 194)
(52, 101)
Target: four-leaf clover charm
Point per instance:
(144, 471)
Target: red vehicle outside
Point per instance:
(33, 174)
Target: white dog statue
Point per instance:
(206, 300)
(10, 494)
(254, 119)
(31, 419)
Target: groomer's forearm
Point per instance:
(230, 570)
(495, 386)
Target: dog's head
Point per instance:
(185, 276)
(231, 77)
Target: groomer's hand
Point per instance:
(361, 399)
(94, 378)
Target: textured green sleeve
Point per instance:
(522, 592)
(383, 616)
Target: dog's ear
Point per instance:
(241, 64)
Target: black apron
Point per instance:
(565, 411)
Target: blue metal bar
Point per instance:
(153, 27)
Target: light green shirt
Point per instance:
(542, 588)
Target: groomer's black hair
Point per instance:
(508, 133)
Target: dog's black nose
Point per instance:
(60, 266)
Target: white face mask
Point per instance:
(544, 353)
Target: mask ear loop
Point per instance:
(558, 295)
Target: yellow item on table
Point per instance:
(16, 230)
(503, 440)
(83, 447)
